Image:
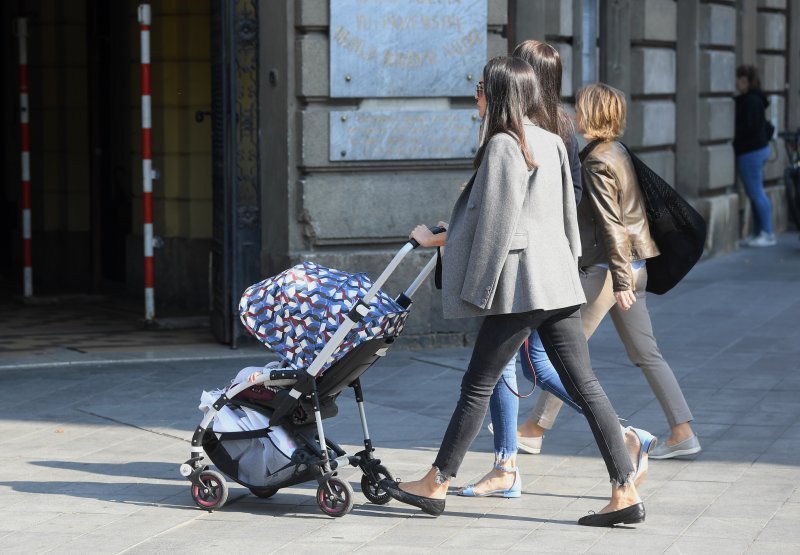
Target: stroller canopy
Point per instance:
(296, 312)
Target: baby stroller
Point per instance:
(328, 327)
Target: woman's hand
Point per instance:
(625, 299)
(422, 235)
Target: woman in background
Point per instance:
(751, 146)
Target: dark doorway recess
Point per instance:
(109, 88)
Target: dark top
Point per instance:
(751, 123)
(573, 153)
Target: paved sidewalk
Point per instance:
(90, 452)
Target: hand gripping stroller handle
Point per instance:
(359, 311)
(435, 230)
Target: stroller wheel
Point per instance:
(263, 493)
(214, 492)
(372, 490)
(336, 497)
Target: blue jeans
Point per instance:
(751, 170)
(504, 405)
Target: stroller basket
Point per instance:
(243, 445)
(295, 313)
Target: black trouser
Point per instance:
(498, 340)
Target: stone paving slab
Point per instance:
(90, 443)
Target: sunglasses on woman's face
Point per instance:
(479, 89)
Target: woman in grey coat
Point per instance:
(511, 258)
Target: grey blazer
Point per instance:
(513, 243)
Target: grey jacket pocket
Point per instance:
(519, 242)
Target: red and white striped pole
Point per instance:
(24, 140)
(147, 163)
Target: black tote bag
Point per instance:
(678, 230)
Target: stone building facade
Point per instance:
(675, 60)
(249, 182)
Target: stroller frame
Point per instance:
(305, 389)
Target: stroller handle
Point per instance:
(435, 230)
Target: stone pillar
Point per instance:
(704, 169)
(527, 21)
(717, 77)
(793, 57)
(579, 41)
(615, 43)
(651, 98)
(553, 22)
(771, 61)
(688, 74)
(746, 31)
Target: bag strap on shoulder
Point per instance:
(588, 149)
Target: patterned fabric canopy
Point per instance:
(296, 312)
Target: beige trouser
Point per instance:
(636, 331)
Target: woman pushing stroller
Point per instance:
(511, 258)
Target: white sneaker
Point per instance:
(763, 239)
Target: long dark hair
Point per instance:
(510, 86)
(546, 63)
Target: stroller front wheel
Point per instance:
(372, 489)
(336, 497)
(213, 491)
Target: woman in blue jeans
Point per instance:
(504, 479)
(751, 146)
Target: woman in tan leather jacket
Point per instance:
(615, 243)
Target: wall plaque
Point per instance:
(403, 135)
(399, 48)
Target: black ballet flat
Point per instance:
(433, 507)
(629, 515)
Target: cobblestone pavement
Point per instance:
(90, 442)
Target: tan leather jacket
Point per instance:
(611, 215)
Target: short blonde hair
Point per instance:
(601, 109)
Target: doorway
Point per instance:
(109, 90)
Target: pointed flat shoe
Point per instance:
(629, 515)
(433, 507)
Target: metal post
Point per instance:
(25, 155)
(147, 162)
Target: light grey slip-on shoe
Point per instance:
(686, 447)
